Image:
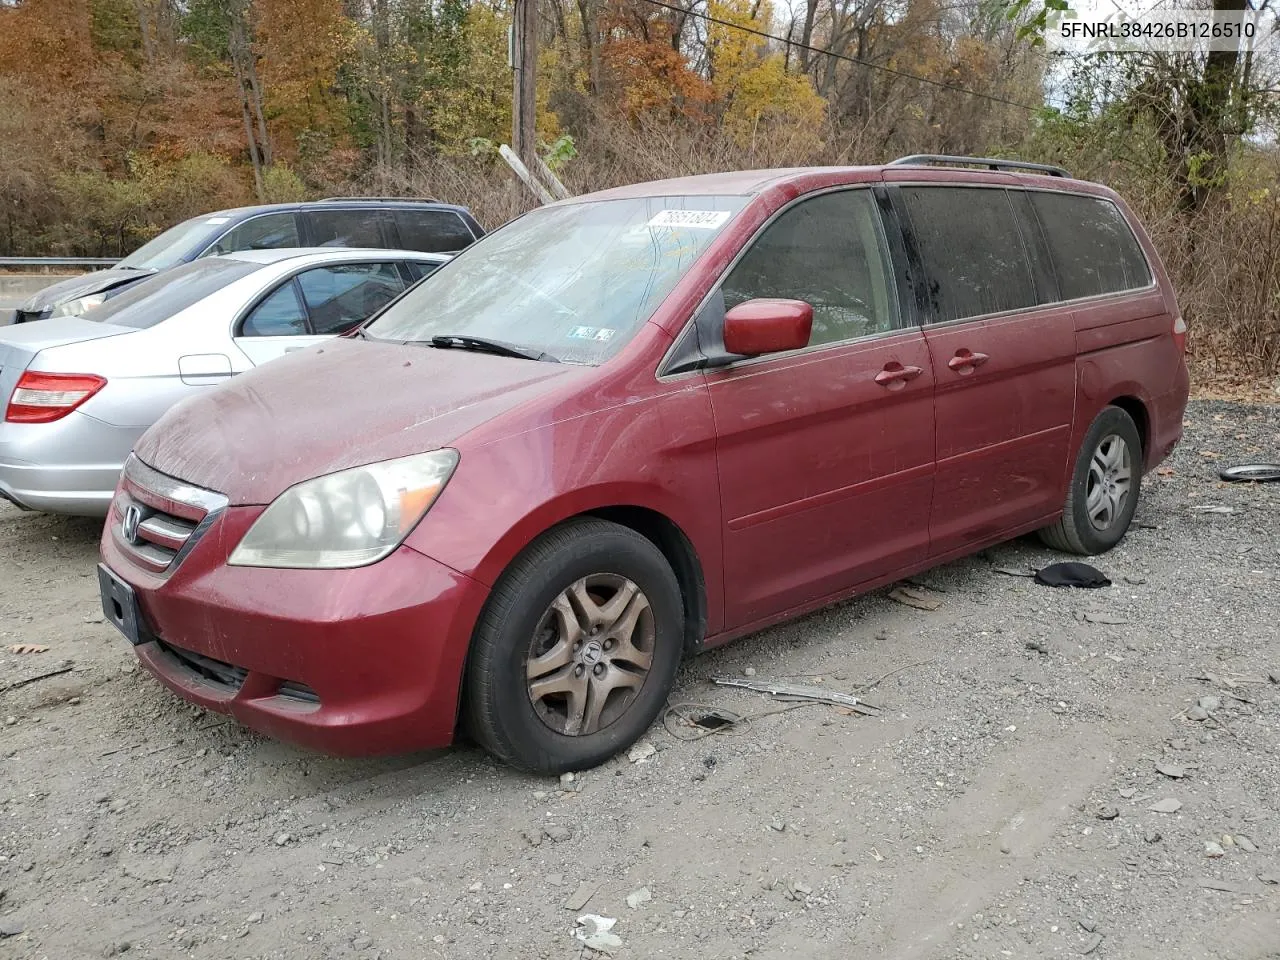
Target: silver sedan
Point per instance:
(81, 390)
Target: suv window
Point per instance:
(826, 251)
(348, 228)
(260, 233)
(972, 250)
(432, 231)
(340, 296)
(1093, 249)
(279, 315)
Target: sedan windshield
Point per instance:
(176, 244)
(573, 281)
(147, 303)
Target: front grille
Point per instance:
(156, 519)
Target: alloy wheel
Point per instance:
(1109, 481)
(590, 655)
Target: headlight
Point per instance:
(79, 306)
(346, 519)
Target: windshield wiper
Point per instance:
(485, 345)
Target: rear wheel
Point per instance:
(576, 650)
(1104, 489)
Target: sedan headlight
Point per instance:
(346, 519)
(79, 306)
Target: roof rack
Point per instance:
(381, 199)
(934, 159)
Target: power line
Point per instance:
(843, 56)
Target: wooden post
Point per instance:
(524, 64)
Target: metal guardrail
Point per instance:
(58, 261)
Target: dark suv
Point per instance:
(337, 222)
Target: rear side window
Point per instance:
(972, 250)
(279, 315)
(348, 228)
(341, 296)
(261, 233)
(147, 303)
(827, 252)
(432, 231)
(419, 269)
(1093, 249)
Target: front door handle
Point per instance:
(966, 361)
(894, 376)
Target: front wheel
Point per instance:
(576, 650)
(1104, 490)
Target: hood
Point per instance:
(343, 404)
(75, 287)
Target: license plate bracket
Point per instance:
(120, 606)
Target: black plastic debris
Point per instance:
(1071, 574)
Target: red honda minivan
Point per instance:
(637, 424)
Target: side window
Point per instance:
(340, 296)
(418, 269)
(432, 231)
(826, 251)
(972, 249)
(260, 233)
(279, 315)
(348, 228)
(1092, 247)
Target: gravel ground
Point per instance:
(1000, 805)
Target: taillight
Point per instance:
(45, 397)
(1180, 331)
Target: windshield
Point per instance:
(174, 245)
(147, 303)
(574, 281)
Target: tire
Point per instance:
(1094, 522)
(587, 604)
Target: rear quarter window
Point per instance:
(1093, 249)
(971, 245)
(432, 231)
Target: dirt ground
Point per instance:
(999, 805)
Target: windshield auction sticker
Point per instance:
(697, 219)
(1144, 26)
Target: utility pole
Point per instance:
(524, 65)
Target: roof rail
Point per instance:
(991, 163)
(381, 199)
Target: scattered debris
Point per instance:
(1088, 926)
(1171, 770)
(27, 648)
(1072, 574)
(65, 668)
(1270, 879)
(1152, 836)
(282, 839)
(1245, 844)
(1107, 812)
(1015, 571)
(1167, 805)
(1213, 508)
(1091, 945)
(1212, 849)
(593, 930)
(10, 928)
(749, 671)
(580, 897)
(566, 781)
(797, 691)
(637, 897)
(1039, 646)
(1198, 714)
(558, 834)
(1209, 704)
(914, 597)
(1223, 887)
(1251, 473)
(1097, 616)
(642, 752)
(797, 891)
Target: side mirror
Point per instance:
(767, 326)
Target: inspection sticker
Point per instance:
(697, 219)
(598, 334)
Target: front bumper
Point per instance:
(350, 662)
